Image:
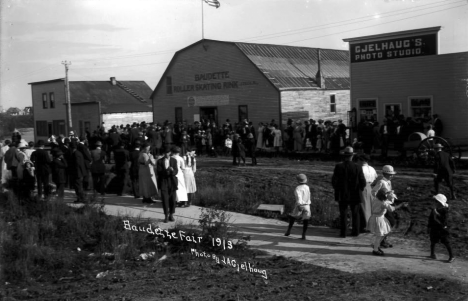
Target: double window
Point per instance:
(367, 109)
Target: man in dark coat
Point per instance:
(87, 162)
(134, 169)
(98, 168)
(443, 170)
(121, 158)
(42, 161)
(59, 174)
(167, 182)
(348, 181)
(77, 171)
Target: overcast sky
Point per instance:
(135, 40)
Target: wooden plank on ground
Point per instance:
(268, 207)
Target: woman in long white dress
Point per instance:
(277, 142)
(189, 174)
(366, 195)
(182, 197)
(260, 130)
(146, 174)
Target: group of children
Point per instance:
(378, 224)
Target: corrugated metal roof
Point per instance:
(112, 97)
(296, 67)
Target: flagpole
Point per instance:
(202, 24)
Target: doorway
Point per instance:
(209, 113)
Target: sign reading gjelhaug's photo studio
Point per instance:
(394, 48)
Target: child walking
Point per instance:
(437, 226)
(302, 207)
(378, 224)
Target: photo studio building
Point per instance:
(92, 102)
(226, 80)
(403, 73)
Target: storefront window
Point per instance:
(421, 107)
(367, 109)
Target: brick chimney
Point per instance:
(319, 76)
(113, 81)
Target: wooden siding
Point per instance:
(444, 77)
(262, 99)
(58, 113)
(316, 103)
(85, 113)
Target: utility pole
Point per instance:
(67, 96)
(202, 22)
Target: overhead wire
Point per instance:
(370, 17)
(372, 25)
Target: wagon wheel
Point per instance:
(426, 151)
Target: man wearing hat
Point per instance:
(134, 169)
(167, 182)
(98, 168)
(42, 162)
(348, 182)
(444, 169)
(59, 172)
(122, 159)
(78, 171)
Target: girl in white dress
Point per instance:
(189, 174)
(378, 224)
(182, 198)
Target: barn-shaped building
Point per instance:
(226, 80)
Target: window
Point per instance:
(332, 103)
(52, 100)
(243, 113)
(178, 115)
(420, 106)
(44, 100)
(41, 128)
(168, 85)
(367, 109)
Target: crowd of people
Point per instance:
(371, 199)
(168, 173)
(371, 135)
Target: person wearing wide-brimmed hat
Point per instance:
(444, 169)
(437, 226)
(42, 162)
(167, 182)
(301, 209)
(348, 181)
(98, 168)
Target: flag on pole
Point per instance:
(214, 3)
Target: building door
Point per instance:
(209, 113)
(392, 111)
(59, 127)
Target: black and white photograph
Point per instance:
(233, 150)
